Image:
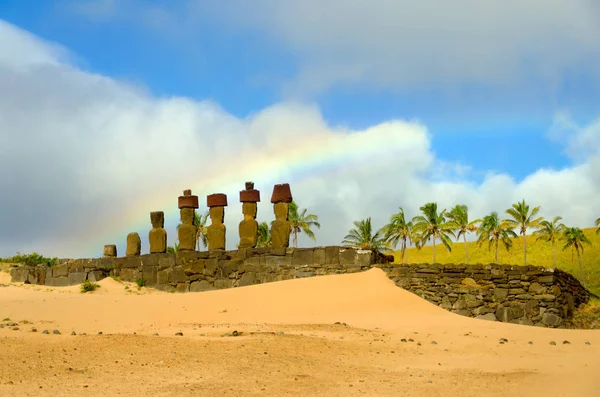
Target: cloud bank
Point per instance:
(85, 158)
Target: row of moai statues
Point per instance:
(187, 232)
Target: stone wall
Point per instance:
(524, 295)
(527, 295)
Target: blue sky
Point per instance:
(483, 128)
(487, 91)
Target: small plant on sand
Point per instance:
(140, 282)
(127, 287)
(6, 319)
(88, 286)
(116, 278)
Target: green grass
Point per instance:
(88, 286)
(538, 254)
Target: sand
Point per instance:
(387, 342)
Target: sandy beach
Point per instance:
(350, 335)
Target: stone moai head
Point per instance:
(187, 205)
(249, 198)
(158, 219)
(216, 203)
(281, 197)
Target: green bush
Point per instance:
(88, 286)
(31, 259)
(140, 282)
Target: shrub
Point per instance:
(140, 282)
(88, 286)
(30, 259)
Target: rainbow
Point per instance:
(277, 164)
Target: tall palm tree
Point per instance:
(433, 225)
(301, 222)
(398, 230)
(459, 219)
(523, 219)
(598, 226)
(201, 229)
(550, 232)
(575, 239)
(495, 231)
(362, 236)
(264, 235)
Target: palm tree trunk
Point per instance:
(466, 248)
(295, 238)
(434, 249)
(554, 251)
(496, 251)
(403, 250)
(581, 270)
(524, 249)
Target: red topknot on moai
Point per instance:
(281, 228)
(249, 226)
(216, 231)
(187, 231)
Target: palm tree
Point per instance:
(574, 239)
(522, 219)
(459, 219)
(398, 230)
(598, 226)
(201, 228)
(493, 230)
(173, 248)
(301, 222)
(264, 235)
(433, 225)
(550, 232)
(362, 236)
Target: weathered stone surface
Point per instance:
(60, 270)
(177, 275)
(216, 200)
(278, 261)
(281, 194)
(134, 244)
(217, 230)
(158, 235)
(281, 227)
(551, 319)
(201, 286)
(488, 317)
(77, 278)
(546, 279)
(110, 250)
(248, 228)
(96, 275)
(58, 281)
(187, 200)
(246, 279)
(347, 257)
(182, 287)
(186, 234)
(500, 293)
(537, 289)
(302, 257)
(363, 258)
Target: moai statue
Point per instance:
(110, 250)
(134, 244)
(281, 228)
(249, 226)
(187, 231)
(216, 231)
(158, 235)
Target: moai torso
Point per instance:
(110, 250)
(249, 226)
(134, 244)
(158, 235)
(281, 227)
(216, 231)
(187, 231)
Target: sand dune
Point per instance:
(388, 342)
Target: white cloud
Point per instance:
(85, 158)
(428, 44)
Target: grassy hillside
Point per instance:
(538, 254)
